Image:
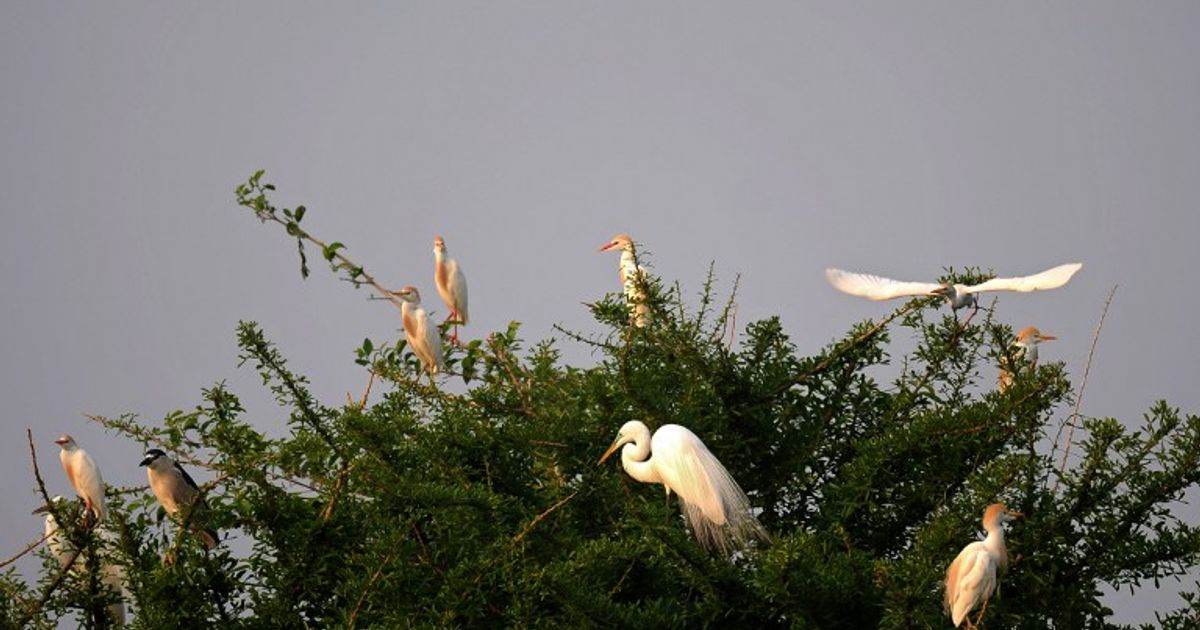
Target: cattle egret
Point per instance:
(176, 491)
(451, 284)
(112, 575)
(423, 338)
(957, 295)
(713, 505)
(971, 578)
(1027, 348)
(632, 276)
(84, 475)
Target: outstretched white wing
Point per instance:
(876, 287)
(1048, 279)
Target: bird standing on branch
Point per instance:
(632, 275)
(972, 577)
(713, 505)
(112, 575)
(423, 337)
(176, 492)
(84, 475)
(957, 295)
(451, 285)
(1027, 348)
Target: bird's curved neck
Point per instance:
(635, 458)
(995, 543)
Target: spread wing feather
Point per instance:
(1048, 279)
(876, 287)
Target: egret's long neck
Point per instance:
(995, 542)
(635, 458)
(627, 259)
(439, 255)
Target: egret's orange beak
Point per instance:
(607, 246)
(942, 290)
(60, 441)
(1017, 514)
(1046, 337)
(612, 449)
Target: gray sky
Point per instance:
(774, 138)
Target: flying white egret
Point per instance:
(1027, 347)
(84, 475)
(713, 505)
(423, 337)
(451, 284)
(632, 275)
(957, 295)
(112, 574)
(971, 578)
(176, 490)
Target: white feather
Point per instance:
(1048, 279)
(876, 287)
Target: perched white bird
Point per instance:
(957, 295)
(451, 284)
(112, 574)
(715, 508)
(971, 578)
(423, 337)
(84, 475)
(175, 491)
(1027, 347)
(632, 276)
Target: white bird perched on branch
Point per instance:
(451, 284)
(957, 295)
(176, 491)
(112, 575)
(423, 337)
(713, 505)
(1027, 348)
(632, 276)
(972, 577)
(84, 475)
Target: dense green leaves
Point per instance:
(426, 507)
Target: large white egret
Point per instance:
(112, 575)
(84, 475)
(451, 284)
(176, 491)
(423, 337)
(1026, 344)
(957, 295)
(713, 505)
(632, 276)
(972, 577)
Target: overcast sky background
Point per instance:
(774, 138)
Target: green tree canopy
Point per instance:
(481, 504)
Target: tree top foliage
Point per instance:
(421, 506)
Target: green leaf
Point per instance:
(331, 249)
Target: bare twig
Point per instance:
(540, 517)
(337, 491)
(1073, 420)
(30, 547)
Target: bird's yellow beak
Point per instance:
(611, 449)
(1046, 337)
(607, 246)
(1017, 514)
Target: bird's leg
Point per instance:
(979, 617)
(971, 316)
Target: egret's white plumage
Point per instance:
(112, 574)
(715, 508)
(1026, 344)
(451, 283)
(84, 475)
(958, 295)
(423, 337)
(972, 577)
(632, 276)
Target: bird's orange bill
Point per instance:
(1017, 514)
(612, 449)
(607, 246)
(1046, 337)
